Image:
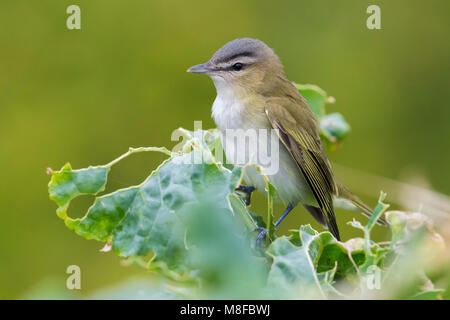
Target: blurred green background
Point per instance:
(87, 95)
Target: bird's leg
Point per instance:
(263, 231)
(285, 213)
(248, 191)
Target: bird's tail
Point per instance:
(344, 194)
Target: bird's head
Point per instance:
(242, 64)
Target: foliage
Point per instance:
(333, 127)
(186, 223)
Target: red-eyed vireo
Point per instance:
(253, 93)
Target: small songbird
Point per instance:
(254, 93)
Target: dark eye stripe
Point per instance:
(235, 56)
(229, 68)
(232, 67)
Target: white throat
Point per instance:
(227, 109)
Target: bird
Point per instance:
(254, 95)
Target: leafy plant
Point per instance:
(186, 223)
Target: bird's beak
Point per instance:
(200, 68)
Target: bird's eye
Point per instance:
(237, 66)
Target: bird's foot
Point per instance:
(263, 231)
(262, 234)
(248, 191)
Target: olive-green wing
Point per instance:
(301, 138)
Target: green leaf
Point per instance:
(397, 221)
(292, 269)
(428, 295)
(68, 184)
(141, 288)
(221, 255)
(313, 265)
(334, 127)
(315, 96)
(186, 222)
(248, 219)
(271, 194)
(148, 217)
(315, 260)
(335, 254)
(374, 253)
(377, 212)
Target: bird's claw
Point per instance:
(248, 191)
(262, 234)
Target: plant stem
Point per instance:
(137, 150)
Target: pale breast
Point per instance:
(248, 137)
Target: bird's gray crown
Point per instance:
(245, 47)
